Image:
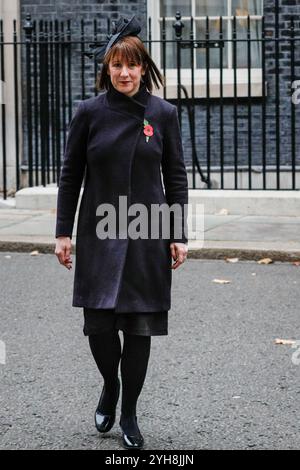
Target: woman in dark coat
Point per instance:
(122, 140)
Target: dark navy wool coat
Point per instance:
(107, 144)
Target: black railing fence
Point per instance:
(239, 114)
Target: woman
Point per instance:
(121, 139)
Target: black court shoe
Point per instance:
(104, 422)
(132, 441)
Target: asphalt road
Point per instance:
(217, 381)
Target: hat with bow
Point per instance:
(123, 27)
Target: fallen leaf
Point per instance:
(231, 260)
(289, 342)
(34, 253)
(221, 281)
(265, 261)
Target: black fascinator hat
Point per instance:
(123, 27)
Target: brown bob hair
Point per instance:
(130, 49)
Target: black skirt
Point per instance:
(136, 323)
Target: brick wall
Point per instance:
(76, 10)
(287, 9)
(100, 9)
(87, 9)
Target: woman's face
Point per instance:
(125, 77)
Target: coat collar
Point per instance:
(134, 105)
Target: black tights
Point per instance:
(106, 350)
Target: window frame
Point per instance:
(200, 74)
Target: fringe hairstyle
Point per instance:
(130, 49)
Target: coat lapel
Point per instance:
(134, 106)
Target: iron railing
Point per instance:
(236, 140)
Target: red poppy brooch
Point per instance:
(148, 130)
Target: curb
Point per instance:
(243, 254)
(193, 253)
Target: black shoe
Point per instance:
(104, 422)
(132, 441)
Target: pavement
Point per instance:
(221, 377)
(219, 380)
(248, 237)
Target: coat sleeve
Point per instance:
(175, 176)
(72, 173)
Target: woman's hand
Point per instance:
(63, 251)
(179, 253)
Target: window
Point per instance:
(199, 10)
